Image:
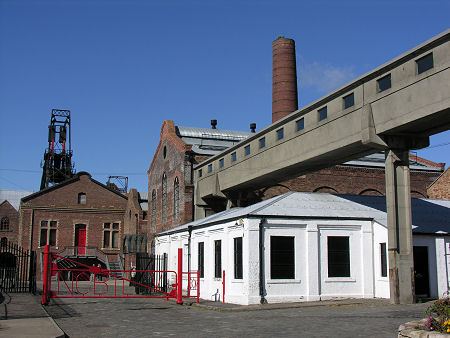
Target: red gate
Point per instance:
(86, 281)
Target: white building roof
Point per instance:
(429, 216)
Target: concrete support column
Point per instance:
(398, 200)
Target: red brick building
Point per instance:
(135, 228)
(9, 214)
(76, 218)
(440, 188)
(170, 176)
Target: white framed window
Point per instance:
(111, 235)
(48, 234)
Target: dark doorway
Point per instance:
(421, 275)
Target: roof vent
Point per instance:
(213, 124)
(252, 127)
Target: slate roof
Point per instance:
(429, 216)
(13, 196)
(377, 160)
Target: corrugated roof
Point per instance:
(429, 216)
(206, 141)
(210, 133)
(143, 200)
(13, 196)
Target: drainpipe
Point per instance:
(189, 247)
(261, 261)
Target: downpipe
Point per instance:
(261, 262)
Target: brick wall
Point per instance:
(440, 188)
(8, 211)
(172, 158)
(60, 204)
(352, 180)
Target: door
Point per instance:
(80, 238)
(421, 275)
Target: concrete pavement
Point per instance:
(27, 318)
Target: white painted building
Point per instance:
(314, 247)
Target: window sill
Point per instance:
(284, 281)
(340, 279)
(237, 281)
(382, 279)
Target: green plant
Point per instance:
(439, 313)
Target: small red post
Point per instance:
(46, 278)
(198, 286)
(180, 277)
(223, 284)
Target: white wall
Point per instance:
(311, 280)
(380, 235)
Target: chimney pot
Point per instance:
(252, 127)
(213, 124)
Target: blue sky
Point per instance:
(122, 67)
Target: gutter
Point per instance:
(261, 261)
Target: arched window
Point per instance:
(81, 198)
(153, 209)
(164, 198)
(176, 199)
(4, 225)
(325, 189)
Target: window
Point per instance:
(233, 157)
(176, 198)
(384, 83)
(111, 235)
(164, 198)
(247, 150)
(338, 256)
(280, 133)
(201, 259)
(383, 255)
(221, 163)
(300, 124)
(4, 224)
(81, 198)
(3, 241)
(48, 233)
(218, 259)
(153, 209)
(200, 173)
(349, 100)
(210, 168)
(238, 258)
(323, 113)
(262, 142)
(282, 259)
(425, 63)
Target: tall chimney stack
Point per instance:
(284, 79)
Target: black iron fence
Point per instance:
(17, 269)
(156, 280)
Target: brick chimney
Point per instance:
(284, 78)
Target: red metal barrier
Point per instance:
(47, 277)
(95, 282)
(223, 285)
(193, 281)
(180, 277)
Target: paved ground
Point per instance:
(26, 318)
(156, 317)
